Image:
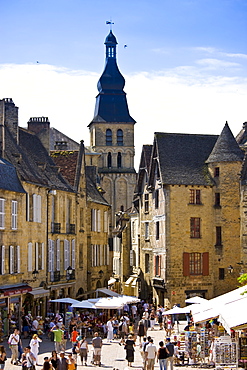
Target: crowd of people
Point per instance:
(129, 327)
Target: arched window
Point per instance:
(119, 160)
(120, 137)
(108, 137)
(109, 160)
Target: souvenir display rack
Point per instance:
(226, 353)
(190, 343)
(204, 342)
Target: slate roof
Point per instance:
(111, 103)
(182, 158)
(144, 165)
(226, 148)
(8, 177)
(93, 194)
(32, 161)
(241, 137)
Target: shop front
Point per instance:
(11, 302)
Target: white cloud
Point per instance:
(211, 63)
(177, 100)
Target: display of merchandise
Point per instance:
(1, 329)
(225, 353)
(204, 342)
(191, 343)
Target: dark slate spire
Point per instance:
(226, 148)
(111, 104)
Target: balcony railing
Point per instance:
(55, 227)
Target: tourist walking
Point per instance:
(162, 355)
(170, 358)
(71, 362)
(58, 338)
(141, 330)
(13, 345)
(3, 357)
(83, 350)
(151, 352)
(30, 359)
(54, 360)
(97, 344)
(46, 364)
(62, 362)
(129, 347)
(109, 330)
(34, 344)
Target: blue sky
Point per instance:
(185, 64)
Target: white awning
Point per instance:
(130, 279)
(107, 292)
(111, 281)
(38, 293)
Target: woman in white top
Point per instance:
(34, 344)
(83, 350)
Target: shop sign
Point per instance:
(17, 291)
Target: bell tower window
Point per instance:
(109, 160)
(120, 137)
(119, 160)
(108, 137)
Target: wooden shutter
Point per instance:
(66, 254)
(11, 259)
(73, 254)
(30, 257)
(43, 256)
(3, 260)
(186, 264)
(18, 256)
(37, 256)
(50, 255)
(205, 264)
(2, 213)
(58, 254)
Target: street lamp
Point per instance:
(230, 269)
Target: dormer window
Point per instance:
(216, 172)
(108, 137)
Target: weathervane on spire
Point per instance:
(110, 23)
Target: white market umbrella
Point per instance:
(65, 300)
(109, 303)
(84, 304)
(127, 299)
(196, 299)
(177, 311)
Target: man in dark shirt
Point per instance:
(170, 358)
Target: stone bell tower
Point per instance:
(112, 134)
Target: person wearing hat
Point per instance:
(34, 345)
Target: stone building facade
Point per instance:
(188, 198)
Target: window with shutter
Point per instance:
(66, 254)
(11, 259)
(186, 264)
(2, 213)
(37, 256)
(43, 256)
(14, 215)
(98, 220)
(3, 260)
(18, 258)
(105, 221)
(205, 264)
(58, 254)
(73, 254)
(30, 257)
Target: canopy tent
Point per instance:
(196, 299)
(177, 310)
(225, 306)
(127, 299)
(65, 300)
(84, 304)
(107, 292)
(109, 303)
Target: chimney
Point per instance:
(8, 117)
(41, 127)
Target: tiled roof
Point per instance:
(8, 177)
(32, 161)
(182, 158)
(66, 160)
(226, 148)
(58, 136)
